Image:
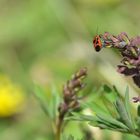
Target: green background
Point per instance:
(45, 41)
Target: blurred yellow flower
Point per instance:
(11, 97)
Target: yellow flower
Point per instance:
(11, 97)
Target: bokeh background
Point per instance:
(44, 42)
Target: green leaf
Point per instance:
(104, 126)
(112, 122)
(138, 123)
(138, 110)
(49, 106)
(123, 114)
(127, 106)
(116, 91)
(81, 117)
(39, 93)
(95, 107)
(107, 89)
(54, 103)
(111, 97)
(98, 120)
(106, 122)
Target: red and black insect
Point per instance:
(97, 43)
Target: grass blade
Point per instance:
(127, 107)
(123, 114)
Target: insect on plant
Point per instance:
(97, 43)
(100, 41)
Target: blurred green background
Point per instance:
(44, 42)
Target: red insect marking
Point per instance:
(97, 43)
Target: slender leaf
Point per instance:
(39, 93)
(103, 126)
(116, 91)
(138, 110)
(81, 117)
(54, 103)
(127, 106)
(113, 122)
(138, 123)
(123, 114)
(95, 107)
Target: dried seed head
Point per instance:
(70, 90)
(130, 51)
(136, 99)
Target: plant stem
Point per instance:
(58, 127)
